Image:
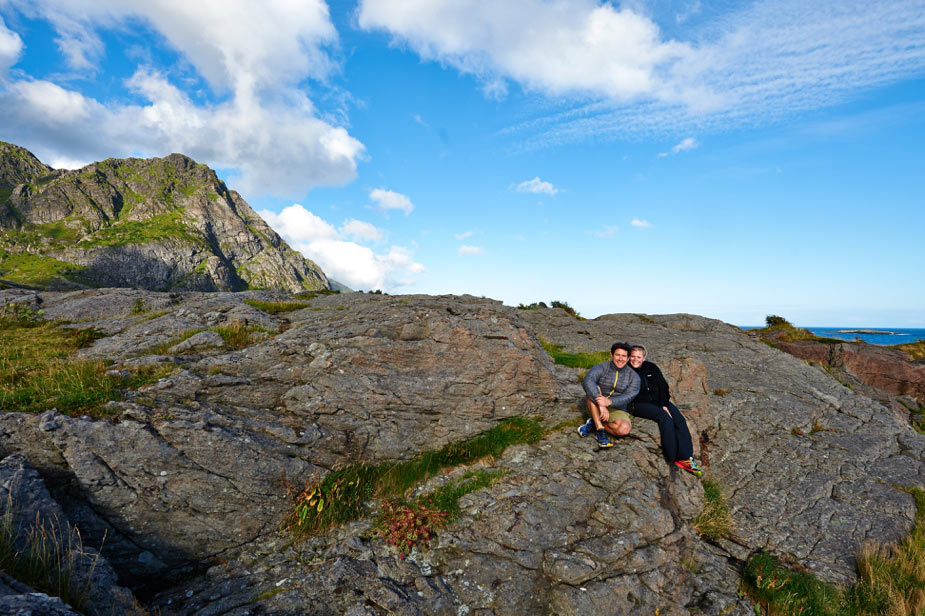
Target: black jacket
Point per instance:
(653, 388)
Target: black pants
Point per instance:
(676, 438)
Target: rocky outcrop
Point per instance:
(187, 475)
(883, 368)
(159, 223)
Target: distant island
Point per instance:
(868, 331)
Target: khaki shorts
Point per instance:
(616, 414)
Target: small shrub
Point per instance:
(720, 392)
(564, 306)
(140, 306)
(714, 521)
(775, 322)
(533, 306)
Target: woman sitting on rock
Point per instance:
(653, 403)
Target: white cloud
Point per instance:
(642, 224)
(688, 143)
(553, 47)
(254, 56)
(608, 231)
(346, 261)
(623, 77)
(537, 186)
(462, 236)
(390, 200)
(10, 48)
(466, 249)
(362, 231)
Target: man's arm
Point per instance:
(590, 382)
(622, 400)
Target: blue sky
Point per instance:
(729, 159)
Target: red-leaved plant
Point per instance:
(406, 526)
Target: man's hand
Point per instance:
(602, 401)
(604, 414)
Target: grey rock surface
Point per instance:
(188, 475)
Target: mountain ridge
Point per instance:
(157, 224)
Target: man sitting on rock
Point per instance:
(608, 414)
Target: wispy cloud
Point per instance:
(537, 186)
(689, 143)
(390, 200)
(608, 231)
(466, 249)
(641, 224)
(462, 236)
(765, 61)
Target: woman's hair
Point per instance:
(638, 347)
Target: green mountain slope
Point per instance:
(159, 223)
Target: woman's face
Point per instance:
(636, 358)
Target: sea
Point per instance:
(883, 336)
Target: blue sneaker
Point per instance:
(603, 440)
(586, 428)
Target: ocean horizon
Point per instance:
(883, 336)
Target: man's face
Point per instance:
(619, 357)
(636, 358)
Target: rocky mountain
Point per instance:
(159, 223)
(181, 484)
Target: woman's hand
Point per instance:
(665, 408)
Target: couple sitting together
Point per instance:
(640, 389)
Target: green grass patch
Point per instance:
(166, 226)
(37, 372)
(343, 493)
(58, 231)
(5, 194)
(891, 580)
(714, 522)
(275, 307)
(574, 360)
(34, 270)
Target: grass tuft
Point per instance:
(275, 307)
(714, 522)
(48, 559)
(343, 494)
(916, 350)
(891, 580)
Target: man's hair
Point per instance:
(638, 347)
(620, 345)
